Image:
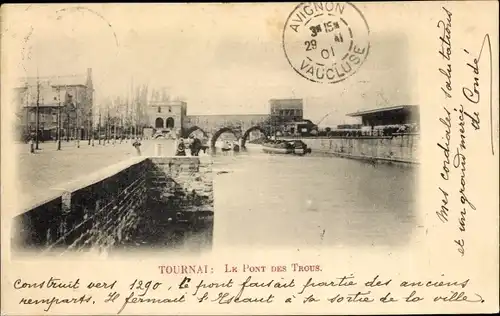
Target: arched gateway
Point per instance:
(217, 134)
(251, 129)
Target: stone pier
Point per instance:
(154, 200)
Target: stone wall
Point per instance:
(399, 149)
(180, 200)
(111, 208)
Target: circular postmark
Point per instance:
(326, 42)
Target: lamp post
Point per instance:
(68, 125)
(37, 112)
(108, 126)
(90, 131)
(77, 125)
(114, 130)
(59, 122)
(27, 109)
(99, 127)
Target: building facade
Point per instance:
(167, 116)
(394, 115)
(389, 120)
(287, 110)
(287, 118)
(64, 102)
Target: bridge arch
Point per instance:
(192, 129)
(217, 134)
(251, 129)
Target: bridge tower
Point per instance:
(167, 116)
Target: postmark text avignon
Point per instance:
(326, 42)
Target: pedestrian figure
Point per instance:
(226, 148)
(181, 148)
(195, 146)
(32, 145)
(137, 145)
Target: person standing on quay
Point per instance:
(137, 145)
(181, 148)
(195, 146)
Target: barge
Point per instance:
(296, 147)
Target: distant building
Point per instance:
(349, 126)
(287, 110)
(299, 128)
(394, 115)
(74, 94)
(167, 116)
(287, 117)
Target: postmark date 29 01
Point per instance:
(326, 42)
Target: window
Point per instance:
(170, 122)
(169, 109)
(54, 118)
(159, 123)
(159, 109)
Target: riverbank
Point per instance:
(401, 149)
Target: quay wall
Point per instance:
(397, 149)
(106, 209)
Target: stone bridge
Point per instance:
(213, 126)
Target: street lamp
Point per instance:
(59, 121)
(37, 116)
(99, 127)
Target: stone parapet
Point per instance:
(109, 207)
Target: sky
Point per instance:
(221, 59)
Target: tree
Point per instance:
(165, 96)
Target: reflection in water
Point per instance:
(291, 201)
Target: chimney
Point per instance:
(89, 77)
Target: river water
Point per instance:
(281, 201)
(284, 201)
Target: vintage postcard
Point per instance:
(250, 158)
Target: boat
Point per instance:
(296, 147)
(226, 147)
(276, 150)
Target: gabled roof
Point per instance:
(155, 103)
(71, 106)
(381, 110)
(286, 100)
(43, 105)
(73, 80)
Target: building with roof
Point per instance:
(167, 116)
(287, 110)
(394, 115)
(71, 95)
